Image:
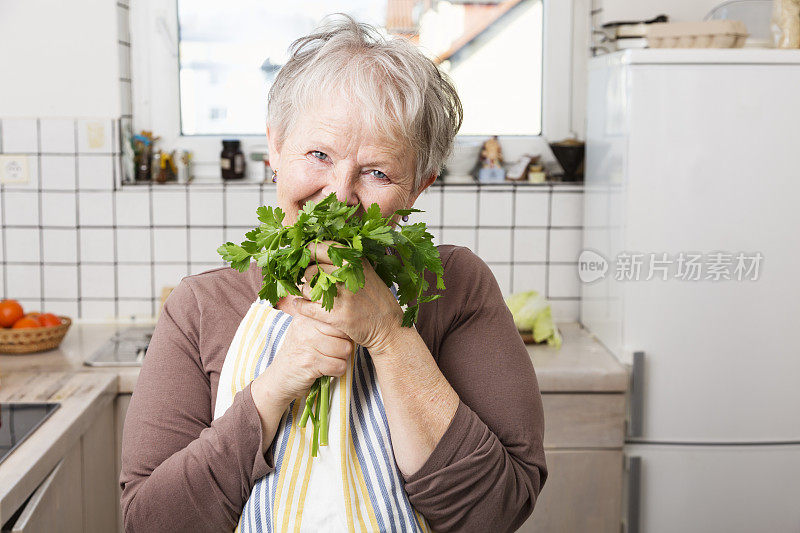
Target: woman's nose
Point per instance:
(343, 183)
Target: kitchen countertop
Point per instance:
(581, 365)
(82, 397)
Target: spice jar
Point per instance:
(231, 160)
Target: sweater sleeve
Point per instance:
(181, 471)
(486, 472)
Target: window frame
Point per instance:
(156, 83)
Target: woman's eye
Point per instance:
(378, 174)
(322, 156)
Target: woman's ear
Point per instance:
(272, 142)
(424, 185)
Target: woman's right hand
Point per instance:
(310, 349)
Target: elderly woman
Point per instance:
(433, 427)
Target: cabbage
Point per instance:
(532, 313)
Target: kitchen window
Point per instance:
(202, 69)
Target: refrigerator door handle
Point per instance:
(636, 397)
(633, 468)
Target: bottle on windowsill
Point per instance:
(231, 160)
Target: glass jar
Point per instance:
(231, 160)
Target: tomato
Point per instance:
(49, 319)
(10, 312)
(26, 322)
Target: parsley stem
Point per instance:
(315, 436)
(325, 398)
(312, 394)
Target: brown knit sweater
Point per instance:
(183, 472)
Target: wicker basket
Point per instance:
(527, 336)
(29, 340)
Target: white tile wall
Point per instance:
(58, 172)
(137, 309)
(494, 244)
(529, 278)
(98, 310)
(203, 244)
(133, 207)
(59, 245)
(97, 281)
(502, 273)
(97, 244)
(60, 281)
(240, 207)
(459, 208)
(170, 244)
(496, 209)
(133, 245)
(22, 245)
(24, 281)
(430, 202)
(133, 281)
(169, 207)
(460, 236)
(565, 244)
(61, 307)
(529, 236)
(563, 281)
(205, 207)
(58, 209)
(167, 276)
(530, 245)
(96, 136)
(96, 208)
(532, 208)
(95, 172)
(21, 208)
(235, 234)
(567, 209)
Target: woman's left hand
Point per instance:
(371, 316)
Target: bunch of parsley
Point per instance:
(283, 254)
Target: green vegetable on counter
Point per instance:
(532, 313)
(283, 254)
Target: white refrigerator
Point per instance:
(692, 171)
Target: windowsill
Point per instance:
(249, 182)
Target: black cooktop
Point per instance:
(18, 420)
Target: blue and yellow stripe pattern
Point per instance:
(353, 484)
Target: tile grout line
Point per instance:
(477, 223)
(152, 249)
(115, 251)
(77, 219)
(547, 244)
(39, 197)
(188, 235)
(514, 197)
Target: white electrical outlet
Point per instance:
(14, 169)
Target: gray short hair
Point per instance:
(400, 91)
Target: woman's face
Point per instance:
(328, 151)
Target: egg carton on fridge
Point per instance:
(705, 34)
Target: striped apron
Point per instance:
(353, 484)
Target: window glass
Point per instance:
(231, 51)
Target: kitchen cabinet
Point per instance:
(62, 477)
(583, 395)
(120, 410)
(55, 505)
